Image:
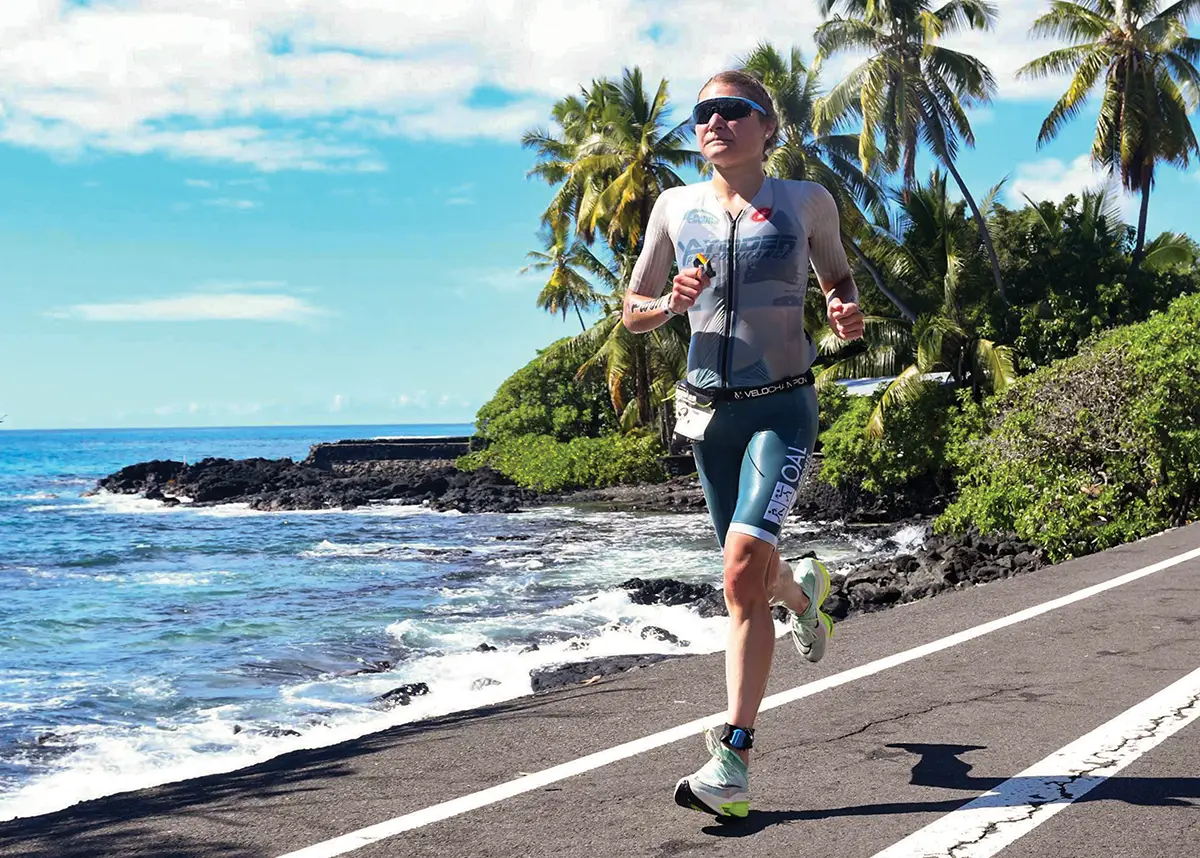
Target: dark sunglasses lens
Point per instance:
(727, 108)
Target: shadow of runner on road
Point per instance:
(939, 766)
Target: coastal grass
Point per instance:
(546, 464)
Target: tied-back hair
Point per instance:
(752, 88)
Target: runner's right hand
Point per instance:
(686, 288)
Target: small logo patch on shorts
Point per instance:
(781, 501)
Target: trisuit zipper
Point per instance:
(730, 277)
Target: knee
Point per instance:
(745, 580)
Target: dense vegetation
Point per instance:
(544, 398)
(1095, 450)
(995, 301)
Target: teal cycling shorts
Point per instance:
(753, 458)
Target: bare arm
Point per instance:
(645, 304)
(832, 268)
(826, 251)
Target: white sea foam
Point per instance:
(910, 536)
(325, 548)
(328, 549)
(113, 759)
(176, 579)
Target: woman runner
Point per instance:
(743, 243)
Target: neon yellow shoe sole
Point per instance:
(810, 641)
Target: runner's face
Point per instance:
(728, 143)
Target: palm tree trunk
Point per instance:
(643, 390)
(984, 232)
(1140, 247)
(910, 165)
(579, 315)
(877, 276)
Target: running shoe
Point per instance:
(721, 787)
(812, 629)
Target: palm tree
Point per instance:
(1100, 219)
(649, 363)
(578, 118)
(629, 161)
(828, 159)
(911, 89)
(611, 158)
(929, 244)
(568, 287)
(1151, 84)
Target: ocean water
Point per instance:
(141, 644)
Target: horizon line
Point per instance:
(4, 429)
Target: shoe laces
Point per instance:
(725, 768)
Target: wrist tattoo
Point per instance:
(657, 304)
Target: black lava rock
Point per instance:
(561, 676)
(402, 696)
(661, 634)
(281, 484)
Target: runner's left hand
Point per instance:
(845, 319)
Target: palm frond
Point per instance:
(909, 386)
(1170, 249)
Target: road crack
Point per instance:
(870, 725)
(1100, 761)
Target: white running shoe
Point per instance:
(721, 787)
(812, 629)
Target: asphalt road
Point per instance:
(849, 770)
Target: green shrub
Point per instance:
(1067, 270)
(545, 464)
(543, 398)
(912, 448)
(1095, 450)
(832, 402)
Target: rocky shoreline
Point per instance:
(284, 484)
(941, 563)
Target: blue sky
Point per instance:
(315, 213)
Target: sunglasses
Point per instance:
(727, 106)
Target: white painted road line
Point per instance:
(473, 801)
(1016, 807)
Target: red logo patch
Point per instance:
(761, 215)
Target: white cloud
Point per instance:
(307, 84)
(198, 183)
(242, 285)
(1051, 179)
(420, 399)
(258, 183)
(503, 280)
(338, 403)
(199, 307)
(229, 203)
(461, 195)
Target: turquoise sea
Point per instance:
(141, 644)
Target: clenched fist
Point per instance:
(846, 320)
(686, 288)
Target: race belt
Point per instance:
(718, 394)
